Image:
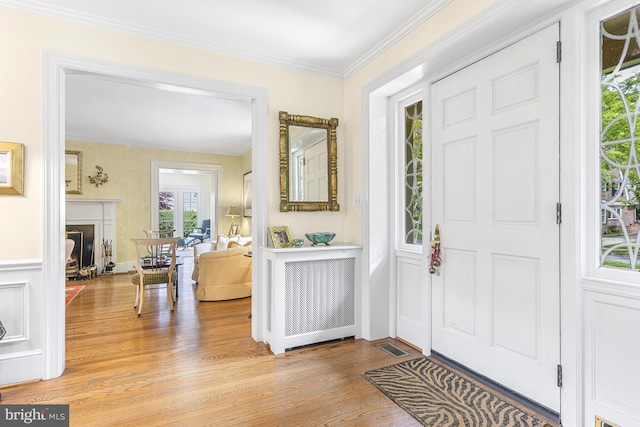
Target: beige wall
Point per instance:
(23, 39)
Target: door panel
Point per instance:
(316, 175)
(495, 188)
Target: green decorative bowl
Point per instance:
(321, 237)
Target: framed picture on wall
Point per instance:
(246, 194)
(11, 168)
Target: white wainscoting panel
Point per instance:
(14, 306)
(21, 349)
(410, 313)
(612, 354)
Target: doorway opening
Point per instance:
(56, 68)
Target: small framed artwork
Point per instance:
(233, 230)
(11, 168)
(246, 194)
(281, 237)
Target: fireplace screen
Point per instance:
(83, 236)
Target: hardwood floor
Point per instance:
(200, 367)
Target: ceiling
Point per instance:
(331, 37)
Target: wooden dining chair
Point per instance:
(155, 264)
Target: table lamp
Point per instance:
(233, 212)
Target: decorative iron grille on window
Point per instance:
(413, 174)
(619, 139)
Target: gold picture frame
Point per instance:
(73, 171)
(246, 195)
(11, 168)
(281, 237)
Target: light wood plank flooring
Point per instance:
(200, 367)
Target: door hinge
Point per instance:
(558, 213)
(558, 51)
(559, 376)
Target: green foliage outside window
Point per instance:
(166, 219)
(620, 153)
(189, 222)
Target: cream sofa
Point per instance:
(222, 242)
(224, 274)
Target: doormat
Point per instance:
(437, 396)
(70, 292)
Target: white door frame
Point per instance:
(404, 254)
(215, 172)
(55, 67)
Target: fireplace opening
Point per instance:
(82, 257)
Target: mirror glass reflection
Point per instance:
(308, 173)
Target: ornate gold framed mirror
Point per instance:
(73, 171)
(308, 163)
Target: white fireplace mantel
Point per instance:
(101, 213)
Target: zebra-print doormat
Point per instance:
(437, 396)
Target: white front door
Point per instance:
(495, 178)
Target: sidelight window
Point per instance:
(620, 140)
(412, 169)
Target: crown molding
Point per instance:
(34, 6)
(114, 24)
(426, 13)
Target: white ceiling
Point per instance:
(329, 37)
(108, 110)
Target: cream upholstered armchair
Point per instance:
(224, 274)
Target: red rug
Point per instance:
(70, 292)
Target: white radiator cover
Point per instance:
(319, 295)
(312, 295)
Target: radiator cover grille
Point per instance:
(319, 295)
